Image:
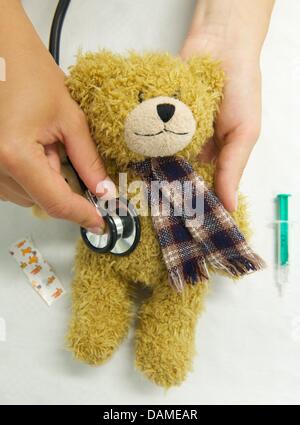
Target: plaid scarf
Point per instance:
(189, 241)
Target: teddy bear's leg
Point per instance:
(166, 333)
(101, 316)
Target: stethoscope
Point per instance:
(122, 225)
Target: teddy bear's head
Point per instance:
(147, 105)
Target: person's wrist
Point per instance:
(230, 24)
(219, 37)
(232, 52)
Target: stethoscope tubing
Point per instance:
(54, 49)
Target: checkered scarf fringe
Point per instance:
(190, 243)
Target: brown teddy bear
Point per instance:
(138, 107)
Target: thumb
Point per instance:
(231, 162)
(82, 151)
(50, 191)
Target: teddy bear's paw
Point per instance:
(163, 361)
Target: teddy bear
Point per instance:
(143, 106)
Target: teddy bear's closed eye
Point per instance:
(141, 96)
(176, 94)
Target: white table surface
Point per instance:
(248, 340)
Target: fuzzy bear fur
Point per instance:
(107, 86)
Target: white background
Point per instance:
(248, 341)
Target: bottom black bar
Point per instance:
(147, 414)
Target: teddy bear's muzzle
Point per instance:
(160, 126)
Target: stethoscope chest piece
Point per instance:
(122, 227)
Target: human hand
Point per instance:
(37, 112)
(237, 126)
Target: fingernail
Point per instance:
(98, 230)
(236, 201)
(106, 189)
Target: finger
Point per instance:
(230, 165)
(52, 154)
(82, 152)
(50, 191)
(7, 195)
(10, 185)
(209, 151)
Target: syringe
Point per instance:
(282, 240)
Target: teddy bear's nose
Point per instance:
(165, 111)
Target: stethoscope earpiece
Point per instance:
(122, 231)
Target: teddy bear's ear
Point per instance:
(90, 72)
(210, 73)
